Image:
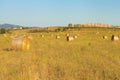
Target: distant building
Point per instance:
(15, 28)
(21, 27)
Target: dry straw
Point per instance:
(70, 38)
(105, 37)
(114, 38)
(21, 43)
(57, 37)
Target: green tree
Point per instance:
(70, 25)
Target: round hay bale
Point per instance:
(75, 37)
(67, 34)
(57, 37)
(42, 36)
(21, 43)
(70, 38)
(105, 37)
(114, 38)
(25, 43)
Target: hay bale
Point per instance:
(105, 37)
(21, 43)
(70, 38)
(67, 34)
(114, 38)
(75, 37)
(42, 36)
(57, 37)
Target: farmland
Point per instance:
(88, 57)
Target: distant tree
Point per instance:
(57, 30)
(70, 25)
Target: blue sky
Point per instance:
(59, 12)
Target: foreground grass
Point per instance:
(89, 57)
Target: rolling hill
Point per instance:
(6, 25)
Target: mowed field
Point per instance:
(88, 57)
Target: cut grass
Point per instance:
(89, 57)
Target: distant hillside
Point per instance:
(93, 25)
(9, 26)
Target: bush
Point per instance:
(70, 25)
(2, 30)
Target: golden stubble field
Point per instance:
(88, 57)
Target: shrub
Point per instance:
(2, 30)
(70, 25)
